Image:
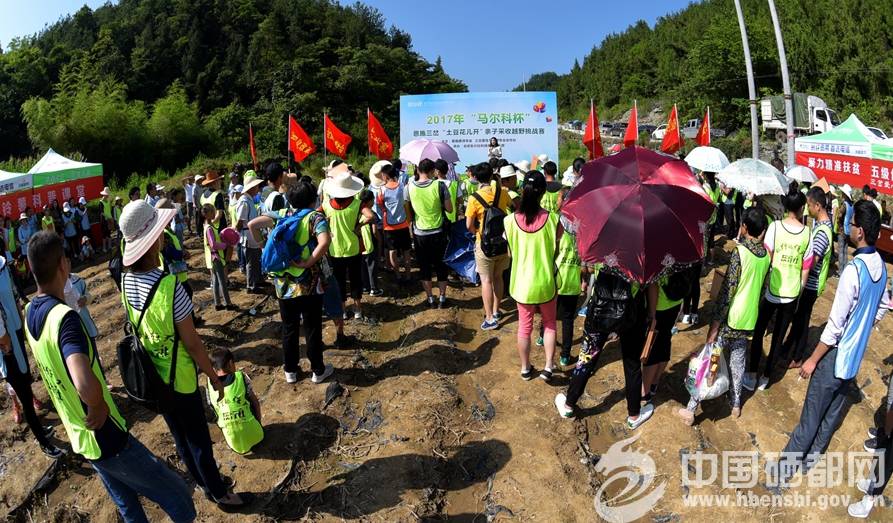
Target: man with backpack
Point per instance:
(66, 359)
(485, 217)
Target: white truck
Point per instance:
(690, 129)
(811, 116)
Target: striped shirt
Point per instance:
(820, 245)
(138, 284)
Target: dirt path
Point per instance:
(433, 423)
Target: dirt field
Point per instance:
(434, 424)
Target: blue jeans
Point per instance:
(135, 472)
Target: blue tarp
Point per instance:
(460, 252)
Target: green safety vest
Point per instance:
(211, 199)
(240, 428)
(533, 255)
(426, 206)
(826, 260)
(453, 190)
(47, 223)
(730, 197)
(72, 411)
(302, 238)
(233, 214)
(106, 209)
(157, 332)
(11, 239)
(787, 262)
(664, 303)
(209, 260)
(714, 195)
(748, 203)
(469, 187)
(368, 245)
(181, 276)
(746, 302)
(550, 201)
(342, 225)
(568, 262)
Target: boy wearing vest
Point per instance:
(213, 196)
(245, 212)
(554, 189)
(70, 370)
(790, 248)
(215, 257)
(822, 238)
(394, 223)
(346, 217)
(235, 192)
(367, 236)
(238, 415)
(736, 307)
(47, 223)
(861, 300)
(454, 189)
(429, 201)
(570, 285)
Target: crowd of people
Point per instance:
(320, 248)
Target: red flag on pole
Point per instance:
(379, 143)
(672, 137)
(703, 136)
(592, 138)
(299, 142)
(336, 140)
(251, 146)
(632, 129)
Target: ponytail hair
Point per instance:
(532, 191)
(794, 200)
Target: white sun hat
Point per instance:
(523, 166)
(141, 225)
(375, 178)
(343, 185)
(507, 171)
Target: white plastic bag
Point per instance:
(698, 381)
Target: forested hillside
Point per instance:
(144, 84)
(841, 50)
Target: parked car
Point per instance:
(606, 127)
(658, 134)
(879, 133)
(647, 128)
(691, 127)
(618, 129)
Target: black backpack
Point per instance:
(493, 242)
(612, 307)
(141, 379)
(679, 284)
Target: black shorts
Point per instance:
(397, 240)
(429, 251)
(660, 351)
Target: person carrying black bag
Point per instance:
(615, 306)
(160, 311)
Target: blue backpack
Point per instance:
(281, 248)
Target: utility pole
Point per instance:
(751, 88)
(786, 85)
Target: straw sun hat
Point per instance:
(141, 226)
(343, 185)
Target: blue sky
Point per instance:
(490, 44)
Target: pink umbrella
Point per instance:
(639, 212)
(417, 150)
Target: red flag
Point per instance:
(299, 142)
(592, 138)
(379, 143)
(336, 140)
(703, 136)
(672, 137)
(251, 146)
(632, 129)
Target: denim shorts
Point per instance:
(331, 299)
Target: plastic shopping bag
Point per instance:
(708, 374)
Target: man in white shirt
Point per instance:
(245, 212)
(861, 300)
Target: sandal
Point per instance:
(527, 375)
(546, 375)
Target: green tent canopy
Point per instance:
(54, 168)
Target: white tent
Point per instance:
(13, 182)
(54, 168)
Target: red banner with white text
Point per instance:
(853, 170)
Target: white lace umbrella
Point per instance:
(802, 174)
(708, 159)
(753, 176)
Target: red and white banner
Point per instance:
(15, 203)
(853, 170)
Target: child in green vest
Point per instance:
(367, 237)
(736, 307)
(238, 414)
(215, 259)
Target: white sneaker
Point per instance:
(561, 404)
(291, 377)
(862, 509)
(764, 383)
(686, 319)
(358, 315)
(863, 485)
(749, 381)
(319, 378)
(644, 415)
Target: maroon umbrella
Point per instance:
(640, 212)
